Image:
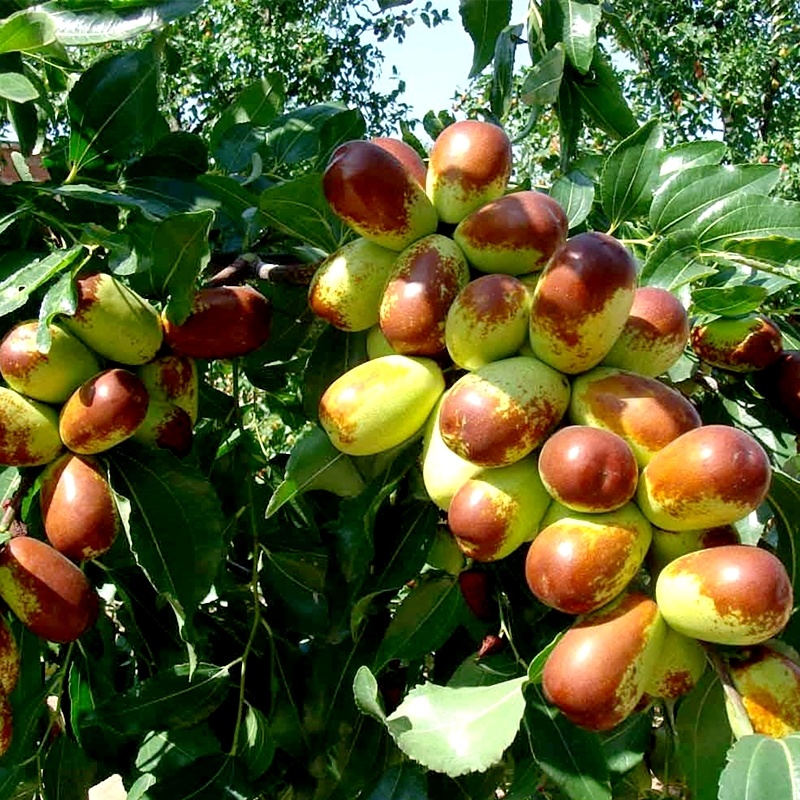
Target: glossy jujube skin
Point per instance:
(588, 469)
(377, 195)
(679, 667)
(734, 595)
(769, 685)
(710, 476)
(380, 403)
(740, 344)
(425, 280)
(487, 321)
(78, 508)
(47, 592)
(9, 658)
(49, 377)
(29, 433)
(498, 509)
(347, 287)
(579, 562)
(669, 545)
(443, 471)
(597, 672)
(645, 412)
(405, 154)
(514, 234)
(166, 426)
(581, 302)
(503, 411)
(654, 335)
(172, 377)
(224, 322)
(469, 165)
(114, 321)
(103, 412)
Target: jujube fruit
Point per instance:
(78, 509)
(379, 404)
(405, 154)
(50, 377)
(9, 657)
(29, 433)
(735, 595)
(581, 302)
(669, 545)
(709, 476)
(425, 280)
(588, 469)
(377, 195)
(681, 663)
(103, 412)
(166, 426)
(597, 672)
(224, 322)
(172, 377)
(114, 321)
(503, 411)
(515, 234)
(579, 562)
(47, 592)
(654, 335)
(738, 344)
(780, 384)
(469, 165)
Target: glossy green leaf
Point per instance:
(216, 777)
(164, 752)
(681, 201)
(575, 193)
(687, 155)
(60, 298)
(602, 100)
(295, 136)
(748, 216)
(570, 756)
(501, 91)
(629, 174)
(169, 699)
(180, 253)
(483, 20)
(625, 745)
(424, 620)
(176, 518)
(729, 301)
(580, 32)
(336, 130)
(259, 104)
(298, 208)
(543, 81)
(704, 737)
(778, 252)
(458, 730)
(570, 121)
(68, 773)
(256, 746)
(367, 694)
(26, 31)
(760, 766)
(16, 87)
(96, 27)
(113, 109)
(17, 288)
(674, 262)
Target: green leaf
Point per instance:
(180, 253)
(625, 745)
(16, 87)
(602, 99)
(748, 216)
(783, 499)
(458, 730)
(501, 92)
(575, 193)
(760, 766)
(680, 201)
(215, 777)
(298, 208)
(68, 773)
(16, 290)
(536, 666)
(367, 695)
(176, 519)
(674, 262)
(580, 32)
(570, 120)
(256, 746)
(113, 109)
(483, 20)
(26, 31)
(570, 756)
(295, 136)
(771, 251)
(98, 27)
(259, 103)
(60, 298)
(336, 130)
(403, 781)
(169, 699)
(424, 620)
(543, 81)
(687, 155)
(629, 174)
(164, 752)
(704, 737)
(729, 301)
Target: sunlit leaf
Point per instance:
(580, 32)
(543, 82)
(575, 193)
(760, 766)
(729, 301)
(483, 20)
(26, 31)
(16, 87)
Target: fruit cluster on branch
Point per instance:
(531, 363)
(116, 370)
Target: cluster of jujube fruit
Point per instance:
(115, 370)
(529, 362)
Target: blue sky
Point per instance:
(435, 62)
